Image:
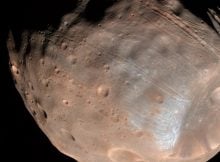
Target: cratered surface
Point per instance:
(123, 81)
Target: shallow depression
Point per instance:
(124, 155)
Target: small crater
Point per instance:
(99, 54)
(57, 71)
(44, 114)
(31, 86)
(159, 99)
(65, 102)
(67, 134)
(88, 60)
(88, 101)
(127, 82)
(103, 91)
(104, 112)
(65, 23)
(37, 102)
(45, 83)
(72, 137)
(139, 134)
(15, 70)
(42, 61)
(64, 46)
(72, 60)
(124, 155)
(34, 113)
(106, 67)
(80, 86)
(154, 95)
(72, 81)
(26, 93)
(115, 118)
(41, 116)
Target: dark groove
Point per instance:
(45, 114)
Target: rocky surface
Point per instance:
(122, 81)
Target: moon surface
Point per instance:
(140, 84)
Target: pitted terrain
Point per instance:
(123, 81)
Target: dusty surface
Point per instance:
(138, 84)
